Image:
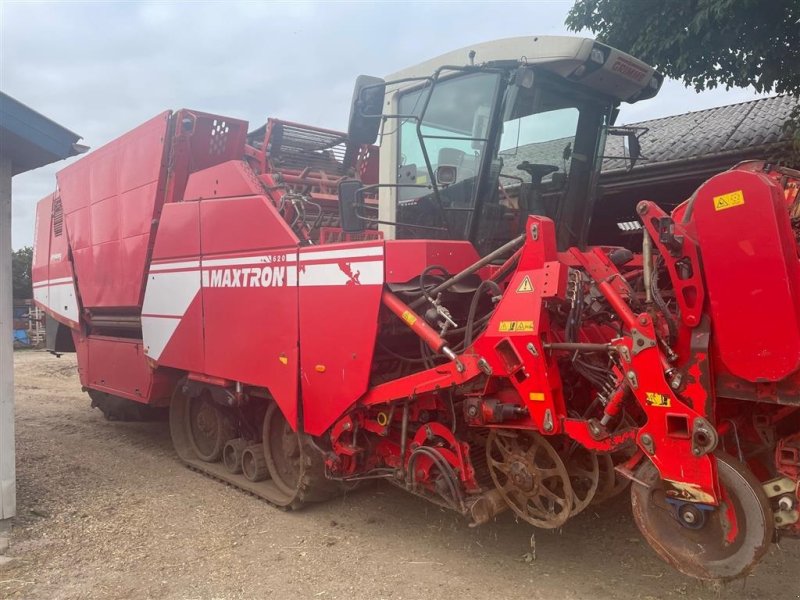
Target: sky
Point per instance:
(101, 68)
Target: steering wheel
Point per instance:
(537, 171)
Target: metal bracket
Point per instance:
(704, 437)
(632, 379)
(786, 517)
(641, 341)
(778, 487)
(484, 366)
(548, 420)
(624, 353)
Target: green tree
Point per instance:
(706, 43)
(21, 263)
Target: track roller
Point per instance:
(254, 465)
(232, 455)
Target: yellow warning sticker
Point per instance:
(508, 326)
(659, 400)
(526, 286)
(536, 396)
(409, 317)
(728, 200)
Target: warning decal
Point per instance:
(526, 286)
(656, 399)
(409, 317)
(728, 200)
(508, 326)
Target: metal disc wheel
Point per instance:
(584, 475)
(612, 484)
(530, 476)
(207, 427)
(282, 451)
(721, 543)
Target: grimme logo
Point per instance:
(273, 275)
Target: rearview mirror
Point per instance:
(349, 202)
(631, 144)
(632, 148)
(366, 110)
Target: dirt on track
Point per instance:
(105, 510)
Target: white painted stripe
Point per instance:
(156, 334)
(63, 301)
(170, 294)
(53, 281)
(344, 253)
(42, 294)
(250, 260)
(187, 264)
(366, 273)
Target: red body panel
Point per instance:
(118, 366)
(405, 259)
(110, 199)
(232, 178)
(340, 292)
(53, 282)
(750, 270)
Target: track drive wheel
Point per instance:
(721, 543)
(208, 428)
(530, 476)
(294, 463)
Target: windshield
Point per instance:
(454, 128)
(499, 151)
(544, 138)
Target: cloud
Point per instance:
(100, 69)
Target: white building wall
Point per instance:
(8, 484)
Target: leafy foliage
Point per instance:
(21, 262)
(706, 43)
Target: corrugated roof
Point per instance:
(757, 124)
(30, 139)
(748, 129)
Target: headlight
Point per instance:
(597, 56)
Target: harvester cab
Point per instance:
(469, 152)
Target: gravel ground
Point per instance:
(107, 511)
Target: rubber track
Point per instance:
(313, 486)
